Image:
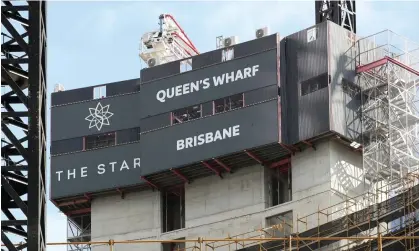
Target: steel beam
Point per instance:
(309, 144)
(121, 192)
(150, 183)
(215, 170)
(280, 163)
(180, 175)
(251, 155)
(228, 169)
(23, 149)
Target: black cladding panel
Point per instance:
(256, 45)
(71, 121)
(257, 125)
(123, 87)
(304, 84)
(206, 59)
(160, 71)
(123, 165)
(66, 146)
(86, 93)
(71, 96)
(160, 96)
(94, 171)
(240, 50)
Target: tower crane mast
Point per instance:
(169, 43)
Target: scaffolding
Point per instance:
(79, 230)
(361, 217)
(388, 78)
(387, 214)
(387, 65)
(357, 223)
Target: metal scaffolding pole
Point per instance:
(387, 66)
(23, 124)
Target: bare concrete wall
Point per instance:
(236, 204)
(134, 217)
(213, 199)
(324, 179)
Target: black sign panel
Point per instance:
(96, 116)
(210, 137)
(210, 83)
(92, 171)
(123, 165)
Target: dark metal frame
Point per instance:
(23, 124)
(341, 12)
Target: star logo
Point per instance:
(99, 116)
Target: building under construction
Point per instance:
(303, 142)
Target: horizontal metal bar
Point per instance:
(372, 65)
(12, 204)
(14, 114)
(15, 61)
(11, 48)
(11, 152)
(249, 239)
(10, 100)
(14, 223)
(14, 8)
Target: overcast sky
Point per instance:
(92, 43)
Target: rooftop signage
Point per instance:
(203, 84)
(182, 144)
(209, 83)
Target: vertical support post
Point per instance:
(379, 242)
(111, 245)
(290, 243)
(23, 70)
(37, 126)
(318, 226)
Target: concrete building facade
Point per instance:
(297, 153)
(239, 203)
(232, 146)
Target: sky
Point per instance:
(91, 43)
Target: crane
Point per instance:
(167, 44)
